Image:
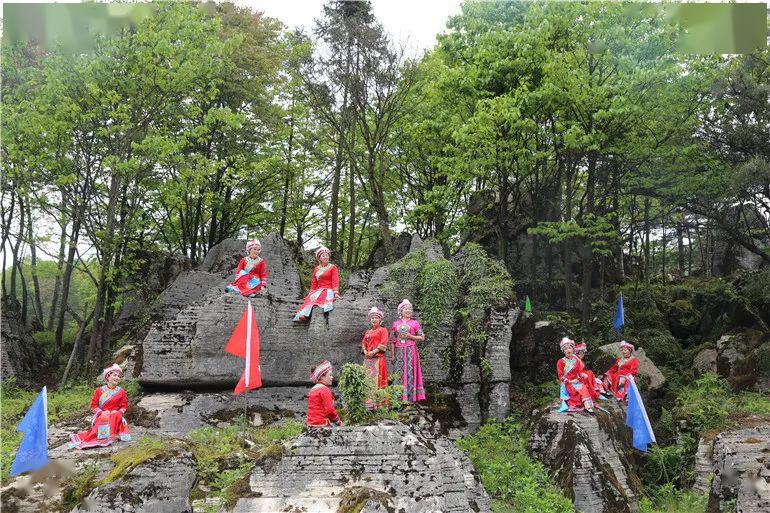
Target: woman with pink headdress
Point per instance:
(406, 333)
(595, 387)
(625, 368)
(324, 286)
(251, 273)
(574, 394)
(320, 400)
(374, 346)
(109, 403)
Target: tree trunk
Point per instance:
(77, 344)
(33, 271)
(15, 250)
(679, 248)
(59, 265)
(66, 279)
(586, 251)
(352, 222)
(646, 239)
(97, 334)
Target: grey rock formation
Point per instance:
(19, 354)
(194, 317)
(390, 466)
(178, 413)
(157, 486)
(589, 457)
(704, 466)
(535, 349)
(705, 361)
(741, 471)
(737, 361)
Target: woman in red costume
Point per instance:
(320, 400)
(575, 394)
(324, 286)
(625, 367)
(251, 273)
(374, 345)
(109, 403)
(594, 385)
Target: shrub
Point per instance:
(516, 482)
(356, 386)
(705, 404)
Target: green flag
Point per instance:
(527, 305)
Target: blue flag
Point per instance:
(33, 452)
(637, 420)
(620, 317)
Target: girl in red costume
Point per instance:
(324, 286)
(109, 403)
(595, 387)
(625, 367)
(251, 273)
(320, 400)
(374, 345)
(570, 369)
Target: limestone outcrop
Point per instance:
(589, 457)
(193, 319)
(741, 469)
(387, 467)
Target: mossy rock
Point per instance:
(683, 318)
(662, 348)
(356, 498)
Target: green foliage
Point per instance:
(668, 499)
(516, 482)
(705, 404)
(671, 465)
(356, 386)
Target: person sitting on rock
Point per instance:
(320, 400)
(595, 387)
(109, 403)
(374, 346)
(574, 394)
(625, 367)
(406, 333)
(251, 273)
(324, 287)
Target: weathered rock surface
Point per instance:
(705, 361)
(704, 466)
(193, 319)
(589, 457)
(178, 413)
(19, 355)
(741, 471)
(389, 467)
(157, 486)
(738, 356)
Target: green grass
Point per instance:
(516, 482)
(65, 404)
(669, 500)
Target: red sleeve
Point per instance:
(122, 401)
(560, 369)
(613, 369)
(241, 266)
(313, 280)
(363, 342)
(335, 279)
(95, 399)
(327, 399)
(262, 272)
(383, 337)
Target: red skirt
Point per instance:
(323, 298)
(107, 427)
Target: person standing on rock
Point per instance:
(574, 392)
(109, 403)
(625, 367)
(251, 273)
(320, 400)
(374, 347)
(406, 333)
(324, 287)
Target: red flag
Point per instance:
(244, 343)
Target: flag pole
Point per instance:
(249, 320)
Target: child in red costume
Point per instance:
(320, 400)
